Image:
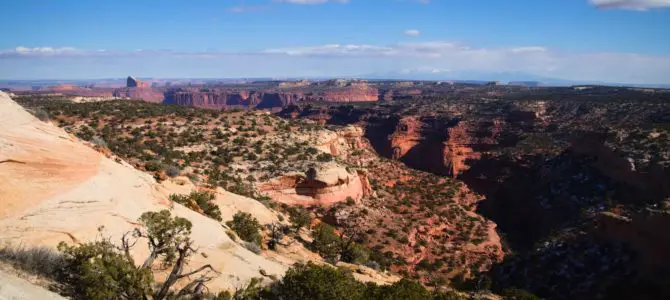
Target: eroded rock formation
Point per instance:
(323, 186)
(219, 98)
(224, 98)
(348, 94)
(141, 93)
(131, 82)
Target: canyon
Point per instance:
(546, 169)
(443, 183)
(263, 95)
(220, 98)
(334, 172)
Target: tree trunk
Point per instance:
(149, 261)
(174, 275)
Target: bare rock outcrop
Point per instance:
(407, 135)
(142, 93)
(220, 98)
(341, 142)
(17, 288)
(325, 185)
(54, 188)
(350, 94)
(132, 82)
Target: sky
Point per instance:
(622, 41)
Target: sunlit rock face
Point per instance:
(322, 186)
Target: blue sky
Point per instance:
(603, 40)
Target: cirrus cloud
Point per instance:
(412, 32)
(43, 51)
(631, 4)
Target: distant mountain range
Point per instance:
(504, 77)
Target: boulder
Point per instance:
(325, 185)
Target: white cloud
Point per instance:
(443, 58)
(332, 50)
(529, 49)
(434, 49)
(631, 4)
(42, 51)
(423, 70)
(412, 32)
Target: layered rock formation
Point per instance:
(329, 183)
(322, 186)
(442, 146)
(131, 82)
(449, 144)
(224, 98)
(348, 94)
(481, 248)
(341, 142)
(544, 188)
(141, 93)
(220, 98)
(406, 136)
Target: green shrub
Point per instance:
(246, 226)
(403, 289)
(310, 281)
(324, 157)
(518, 294)
(166, 235)
(326, 242)
(299, 217)
(153, 166)
(98, 271)
(172, 171)
(103, 270)
(355, 253)
(203, 200)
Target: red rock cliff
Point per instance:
(224, 98)
(439, 146)
(141, 93)
(219, 98)
(349, 94)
